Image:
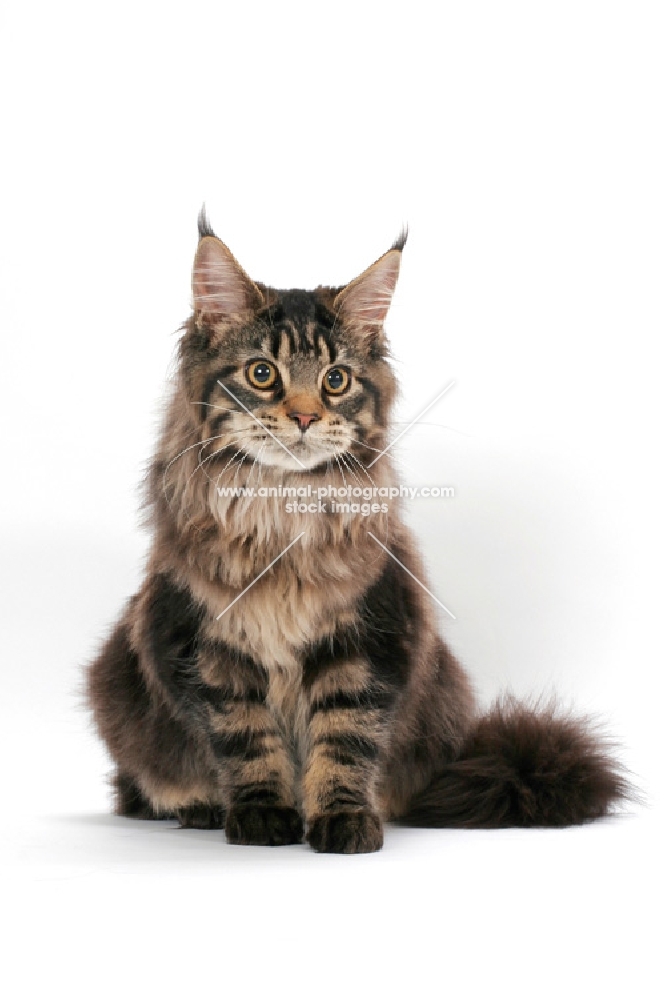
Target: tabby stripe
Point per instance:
(325, 335)
(289, 334)
(341, 758)
(327, 653)
(211, 383)
(258, 792)
(330, 346)
(349, 406)
(276, 340)
(348, 699)
(273, 313)
(342, 796)
(224, 454)
(246, 743)
(304, 343)
(248, 676)
(324, 317)
(372, 389)
(352, 745)
(219, 698)
(217, 421)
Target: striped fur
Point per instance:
(322, 701)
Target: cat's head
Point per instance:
(290, 378)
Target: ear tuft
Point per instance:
(220, 286)
(402, 239)
(205, 228)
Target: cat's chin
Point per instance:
(299, 458)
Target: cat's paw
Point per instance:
(201, 817)
(346, 833)
(267, 826)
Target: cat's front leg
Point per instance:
(256, 770)
(348, 717)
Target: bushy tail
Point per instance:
(524, 767)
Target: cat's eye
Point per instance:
(261, 374)
(336, 381)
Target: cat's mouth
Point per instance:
(303, 453)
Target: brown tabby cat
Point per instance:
(279, 673)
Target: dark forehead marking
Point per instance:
(293, 313)
(324, 316)
(304, 342)
(323, 335)
(299, 306)
(278, 335)
(273, 313)
(275, 341)
(325, 321)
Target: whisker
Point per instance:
(341, 472)
(369, 447)
(210, 457)
(257, 458)
(197, 444)
(227, 466)
(198, 466)
(260, 423)
(240, 466)
(202, 462)
(350, 454)
(348, 467)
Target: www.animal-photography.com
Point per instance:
(332, 533)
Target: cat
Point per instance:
(279, 674)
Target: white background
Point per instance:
(524, 143)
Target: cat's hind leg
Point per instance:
(201, 817)
(163, 768)
(130, 801)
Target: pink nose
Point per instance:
(304, 419)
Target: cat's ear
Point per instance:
(363, 304)
(220, 286)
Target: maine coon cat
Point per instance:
(280, 674)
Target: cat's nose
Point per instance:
(304, 419)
